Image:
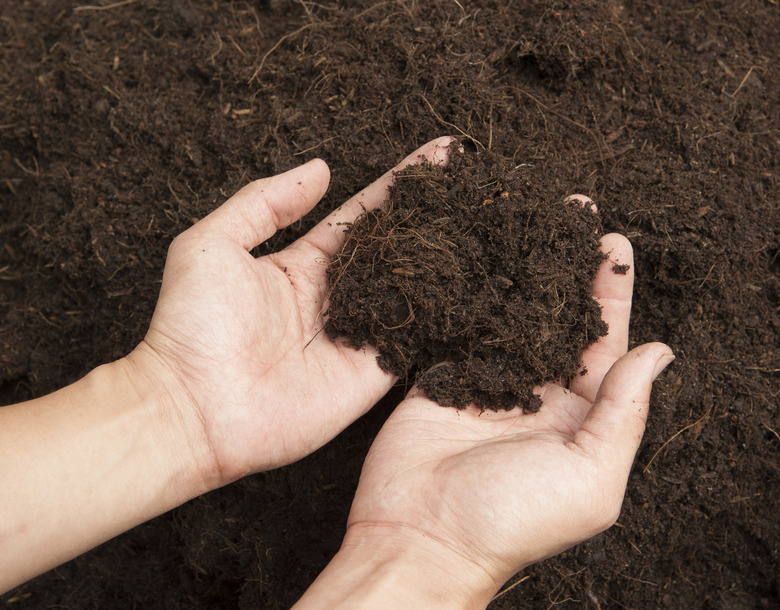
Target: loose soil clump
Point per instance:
(473, 266)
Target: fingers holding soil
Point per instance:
(612, 289)
(328, 235)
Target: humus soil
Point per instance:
(122, 123)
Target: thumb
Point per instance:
(615, 424)
(262, 207)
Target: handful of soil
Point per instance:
(470, 264)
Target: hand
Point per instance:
(232, 377)
(459, 501)
(235, 341)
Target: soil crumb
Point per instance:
(474, 266)
(619, 269)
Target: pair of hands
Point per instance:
(254, 385)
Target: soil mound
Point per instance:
(472, 265)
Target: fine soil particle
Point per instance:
(473, 266)
(620, 269)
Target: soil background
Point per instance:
(121, 125)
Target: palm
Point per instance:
(485, 484)
(470, 479)
(243, 335)
(251, 319)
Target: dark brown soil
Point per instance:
(475, 268)
(119, 127)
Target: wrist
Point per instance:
(100, 457)
(173, 418)
(388, 566)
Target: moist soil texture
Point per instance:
(474, 268)
(122, 123)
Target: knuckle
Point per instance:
(181, 243)
(177, 243)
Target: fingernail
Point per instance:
(662, 363)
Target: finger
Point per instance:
(613, 291)
(615, 424)
(262, 207)
(583, 200)
(328, 235)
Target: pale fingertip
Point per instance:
(664, 361)
(260, 208)
(321, 171)
(615, 277)
(585, 201)
(619, 245)
(440, 154)
(435, 151)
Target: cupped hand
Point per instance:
(483, 495)
(235, 342)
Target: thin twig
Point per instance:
(460, 6)
(565, 118)
(372, 7)
(316, 145)
(448, 124)
(674, 436)
(510, 587)
(107, 7)
(276, 46)
(772, 431)
(308, 343)
(744, 80)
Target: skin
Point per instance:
(470, 498)
(234, 377)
